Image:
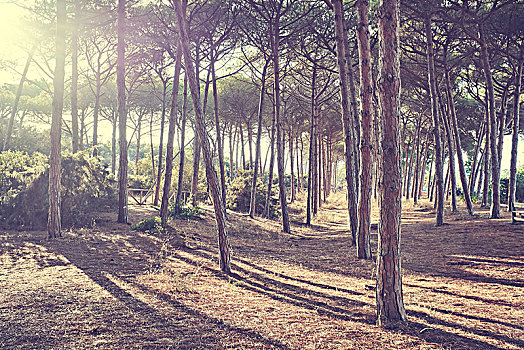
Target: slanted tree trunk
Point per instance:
(181, 163)
(161, 146)
(451, 154)
(231, 152)
(364, 208)
(14, 109)
(122, 115)
(439, 171)
(244, 166)
(417, 165)
(96, 111)
(458, 144)
(486, 165)
(515, 136)
(349, 139)
(271, 167)
(54, 223)
(495, 165)
(476, 162)
(390, 304)
(212, 179)
(252, 203)
(220, 148)
(171, 137)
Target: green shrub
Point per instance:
(86, 187)
(504, 187)
(151, 225)
(239, 195)
(185, 212)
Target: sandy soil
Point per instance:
(110, 287)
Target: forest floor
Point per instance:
(110, 287)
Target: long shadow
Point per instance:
(182, 335)
(469, 297)
(412, 328)
(492, 261)
(470, 277)
(209, 255)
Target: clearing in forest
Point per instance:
(110, 287)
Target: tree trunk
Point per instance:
(242, 147)
(138, 137)
(96, 111)
(171, 137)
(74, 77)
(231, 152)
(439, 173)
(347, 124)
(220, 148)
(275, 38)
(291, 156)
(181, 163)
(54, 223)
(476, 162)
(212, 179)
(430, 184)
(114, 123)
(495, 166)
(451, 154)
(486, 166)
(390, 304)
(417, 166)
(122, 115)
(364, 204)
(252, 201)
(14, 110)
(515, 136)
(161, 146)
(458, 144)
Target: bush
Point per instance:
(504, 187)
(87, 187)
(185, 212)
(239, 195)
(151, 225)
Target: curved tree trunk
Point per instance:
(451, 154)
(212, 179)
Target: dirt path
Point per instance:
(111, 287)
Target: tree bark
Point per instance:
(439, 173)
(364, 208)
(171, 137)
(275, 42)
(74, 78)
(14, 109)
(458, 143)
(291, 156)
(390, 304)
(220, 148)
(495, 166)
(212, 179)
(161, 146)
(252, 201)
(122, 115)
(114, 123)
(181, 163)
(515, 135)
(54, 223)
(349, 151)
(271, 167)
(451, 154)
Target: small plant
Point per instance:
(151, 225)
(185, 212)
